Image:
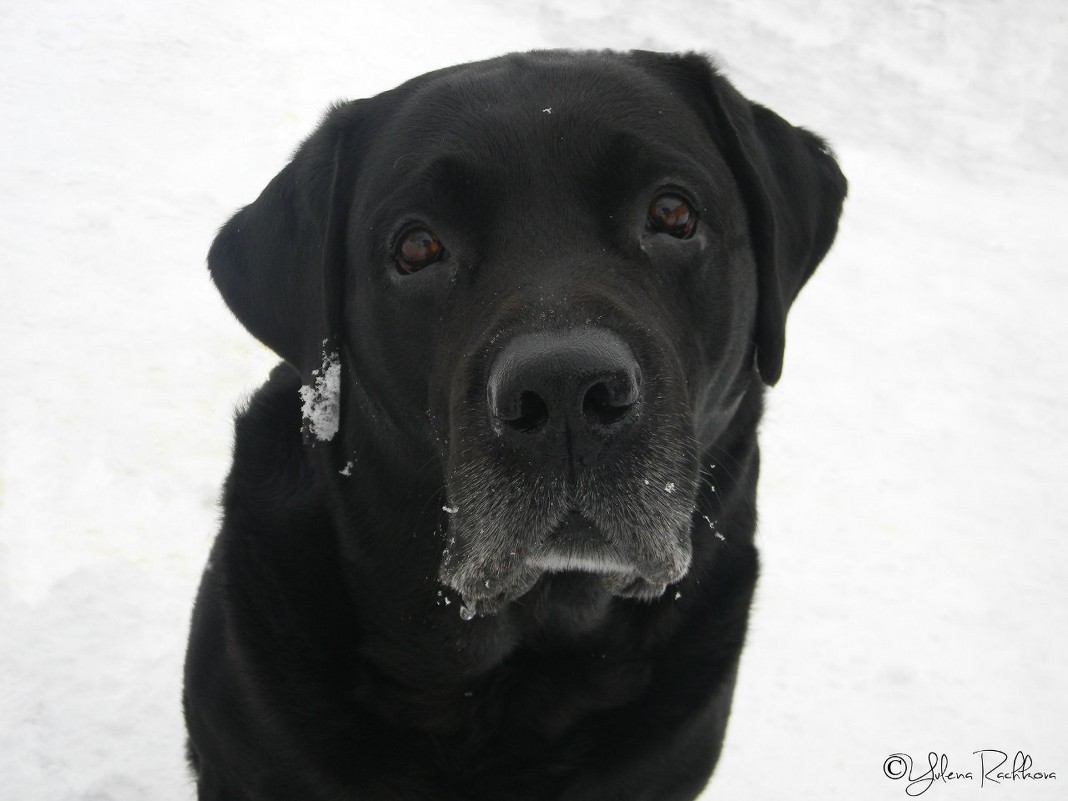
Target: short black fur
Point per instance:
(604, 564)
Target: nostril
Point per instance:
(604, 406)
(529, 414)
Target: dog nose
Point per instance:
(564, 394)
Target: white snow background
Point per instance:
(913, 509)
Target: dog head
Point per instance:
(550, 276)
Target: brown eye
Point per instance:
(418, 249)
(671, 214)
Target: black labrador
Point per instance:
(488, 532)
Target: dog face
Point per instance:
(548, 277)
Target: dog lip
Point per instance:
(576, 544)
(564, 562)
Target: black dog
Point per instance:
(489, 529)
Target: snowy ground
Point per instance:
(914, 595)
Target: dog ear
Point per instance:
(790, 184)
(276, 260)
(793, 191)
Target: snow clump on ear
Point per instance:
(321, 409)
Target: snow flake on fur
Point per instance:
(322, 400)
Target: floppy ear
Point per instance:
(793, 191)
(790, 184)
(276, 261)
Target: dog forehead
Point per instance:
(537, 107)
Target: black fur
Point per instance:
(328, 658)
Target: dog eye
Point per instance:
(418, 249)
(671, 214)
